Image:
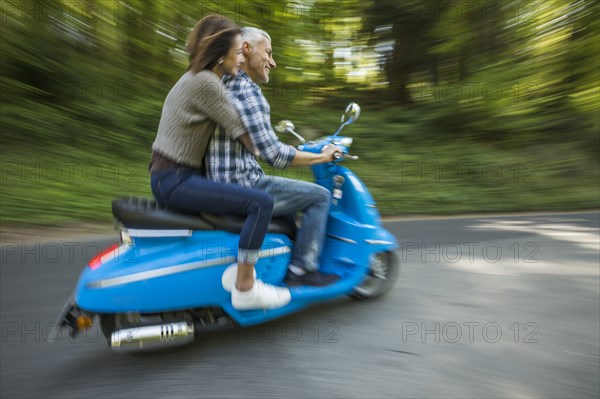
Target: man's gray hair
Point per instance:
(254, 35)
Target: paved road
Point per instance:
(485, 307)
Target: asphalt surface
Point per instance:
(484, 307)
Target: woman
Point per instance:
(192, 110)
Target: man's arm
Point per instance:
(271, 149)
(304, 158)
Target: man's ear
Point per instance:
(246, 48)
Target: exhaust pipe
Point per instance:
(160, 336)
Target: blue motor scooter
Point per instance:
(170, 277)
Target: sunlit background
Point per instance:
(466, 106)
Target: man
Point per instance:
(227, 161)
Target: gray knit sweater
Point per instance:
(192, 110)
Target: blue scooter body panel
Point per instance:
(174, 273)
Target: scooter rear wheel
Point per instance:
(384, 269)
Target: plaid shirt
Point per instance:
(228, 161)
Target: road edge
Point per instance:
(101, 231)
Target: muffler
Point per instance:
(160, 336)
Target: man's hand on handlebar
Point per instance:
(328, 153)
(331, 152)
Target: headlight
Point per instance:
(346, 141)
(343, 142)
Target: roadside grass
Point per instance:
(408, 171)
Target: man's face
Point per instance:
(260, 60)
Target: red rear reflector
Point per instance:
(97, 260)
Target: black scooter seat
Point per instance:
(145, 213)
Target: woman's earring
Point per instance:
(221, 60)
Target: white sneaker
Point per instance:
(261, 296)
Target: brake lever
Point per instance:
(337, 155)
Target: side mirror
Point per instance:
(351, 113)
(283, 126)
(287, 126)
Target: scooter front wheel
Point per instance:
(383, 271)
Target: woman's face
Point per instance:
(234, 58)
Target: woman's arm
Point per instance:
(247, 142)
(216, 106)
(212, 101)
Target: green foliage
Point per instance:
(440, 83)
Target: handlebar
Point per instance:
(338, 155)
(317, 146)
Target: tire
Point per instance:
(384, 270)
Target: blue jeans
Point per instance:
(314, 202)
(184, 189)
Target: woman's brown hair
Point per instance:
(210, 40)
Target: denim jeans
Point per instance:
(314, 202)
(184, 189)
